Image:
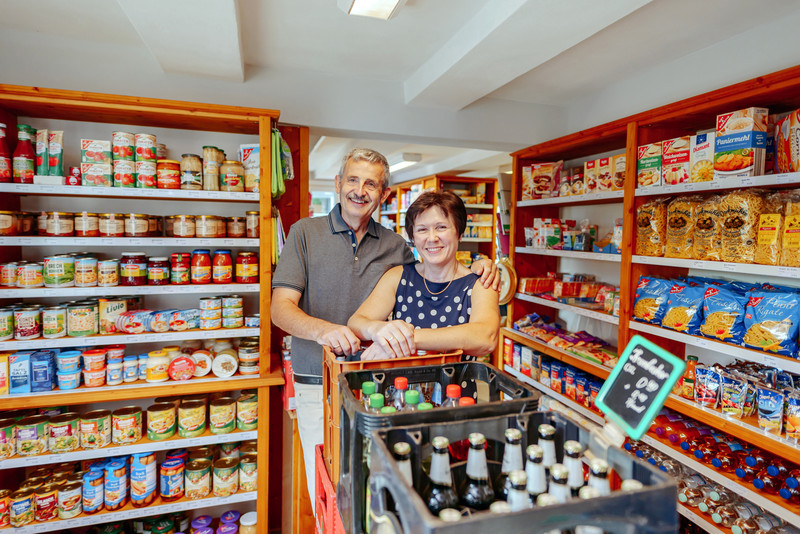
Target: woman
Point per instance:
(437, 304)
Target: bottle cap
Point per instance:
(573, 449)
(450, 515)
(422, 406)
(547, 431)
(453, 391)
(599, 468)
(466, 401)
(513, 436)
(388, 409)
(559, 473)
(535, 454)
(412, 396)
(588, 492)
(402, 450)
(440, 443)
(376, 400)
(545, 499)
(500, 507)
(518, 479)
(248, 519)
(368, 388)
(477, 440)
(631, 485)
(401, 382)
(716, 517)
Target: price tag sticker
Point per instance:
(716, 185)
(91, 341)
(748, 182)
(229, 242)
(730, 267)
(26, 241)
(146, 338)
(787, 271)
(771, 361)
(786, 178)
(134, 242)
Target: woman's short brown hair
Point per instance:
(450, 203)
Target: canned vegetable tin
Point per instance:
(248, 473)
(54, 322)
(247, 412)
(95, 429)
(226, 476)
(198, 479)
(192, 418)
(69, 500)
(59, 271)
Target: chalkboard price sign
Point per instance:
(636, 389)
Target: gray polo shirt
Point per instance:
(334, 273)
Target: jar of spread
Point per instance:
(207, 226)
(247, 268)
(60, 224)
(252, 223)
(41, 223)
(158, 271)
(137, 225)
(111, 225)
(8, 223)
(157, 366)
(201, 266)
(180, 268)
(191, 172)
(231, 176)
(25, 223)
(168, 173)
(86, 225)
(236, 226)
(222, 272)
(155, 225)
(133, 269)
(183, 225)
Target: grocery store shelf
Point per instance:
(590, 367)
(787, 364)
(139, 390)
(772, 504)
(593, 314)
(726, 183)
(569, 254)
(71, 242)
(144, 445)
(99, 291)
(129, 512)
(127, 192)
(128, 338)
(739, 268)
(591, 198)
(476, 239)
(701, 521)
(478, 206)
(566, 401)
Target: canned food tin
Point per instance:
(126, 425)
(27, 323)
(192, 419)
(233, 313)
(82, 319)
(124, 172)
(93, 496)
(247, 412)
(95, 429)
(145, 174)
(8, 438)
(210, 303)
(69, 500)
(232, 301)
(161, 421)
(46, 503)
(248, 351)
(63, 433)
(5, 503)
(145, 147)
(248, 472)
(59, 271)
(183, 454)
(8, 274)
(30, 275)
(209, 324)
(115, 485)
(144, 478)
(211, 315)
(198, 479)
(54, 322)
(32, 435)
(22, 507)
(232, 322)
(172, 479)
(248, 447)
(248, 368)
(122, 144)
(85, 272)
(33, 483)
(169, 174)
(222, 415)
(108, 273)
(231, 449)
(6, 324)
(202, 453)
(226, 477)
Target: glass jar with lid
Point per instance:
(137, 225)
(158, 271)
(231, 176)
(252, 223)
(191, 172)
(236, 226)
(208, 226)
(86, 224)
(111, 225)
(133, 269)
(60, 224)
(247, 268)
(8, 223)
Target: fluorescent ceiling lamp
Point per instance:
(379, 9)
(403, 161)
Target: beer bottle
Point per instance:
(478, 493)
(402, 453)
(598, 476)
(441, 494)
(367, 389)
(453, 392)
(588, 492)
(517, 493)
(558, 483)
(376, 402)
(399, 395)
(545, 499)
(512, 461)
(572, 461)
(547, 437)
(450, 515)
(412, 400)
(537, 479)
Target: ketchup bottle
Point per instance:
(24, 158)
(6, 170)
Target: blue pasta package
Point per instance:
(723, 314)
(684, 310)
(770, 322)
(650, 301)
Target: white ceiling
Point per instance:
(462, 82)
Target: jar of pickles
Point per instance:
(191, 172)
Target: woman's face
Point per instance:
(435, 237)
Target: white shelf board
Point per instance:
(740, 268)
(99, 291)
(725, 183)
(743, 490)
(127, 242)
(786, 364)
(484, 224)
(569, 254)
(128, 338)
(120, 450)
(590, 197)
(700, 520)
(36, 398)
(593, 314)
(566, 401)
(86, 520)
(128, 192)
(476, 240)
(478, 206)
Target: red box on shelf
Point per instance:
(566, 289)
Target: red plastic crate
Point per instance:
(328, 520)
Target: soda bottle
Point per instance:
(670, 427)
(367, 388)
(727, 462)
(412, 400)
(672, 467)
(558, 487)
(793, 479)
(746, 473)
(466, 401)
(572, 461)
(424, 406)
(6, 170)
(547, 437)
(768, 483)
(512, 461)
(588, 492)
(450, 515)
(790, 495)
(517, 496)
(399, 395)
(752, 524)
(376, 402)
(779, 467)
(534, 469)
(477, 493)
(687, 390)
(402, 453)
(441, 494)
(598, 476)
(758, 459)
(706, 452)
(453, 392)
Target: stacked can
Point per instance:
(122, 150)
(145, 160)
(232, 311)
(210, 313)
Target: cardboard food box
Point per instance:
(787, 143)
(619, 170)
(675, 160)
(771, 155)
(577, 183)
(740, 144)
(96, 174)
(648, 165)
(4, 373)
(701, 158)
(604, 174)
(544, 177)
(589, 176)
(527, 183)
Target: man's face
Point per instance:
(360, 190)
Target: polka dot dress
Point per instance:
(415, 305)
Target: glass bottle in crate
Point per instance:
(598, 476)
(558, 487)
(534, 469)
(402, 453)
(399, 394)
(517, 496)
(512, 461)
(367, 389)
(572, 461)
(547, 437)
(588, 492)
(412, 400)
(441, 494)
(477, 491)
(453, 392)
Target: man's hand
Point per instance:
(396, 337)
(489, 273)
(341, 340)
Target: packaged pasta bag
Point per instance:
(723, 314)
(771, 322)
(770, 410)
(706, 387)
(707, 230)
(790, 242)
(740, 211)
(770, 230)
(650, 299)
(651, 228)
(681, 217)
(793, 416)
(733, 395)
(684, 308)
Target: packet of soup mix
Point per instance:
(793, 416)
(770, 410)
(734, 395)
(706, 387)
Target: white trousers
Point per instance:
(310, 425)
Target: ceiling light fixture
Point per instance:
(379, 9)
(402, 161)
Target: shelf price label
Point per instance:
(636, 389)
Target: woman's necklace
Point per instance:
(425, 281)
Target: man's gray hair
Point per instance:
(371, 156)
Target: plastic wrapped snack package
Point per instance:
(790, 242)
(650, 300)
(770, 230)
(684, 308)
(651, 228)
(723, 314)
(707, 230)
(740, 211)
(681, 217)
(770, 321)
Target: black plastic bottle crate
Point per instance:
(396, 507)
(357, 422)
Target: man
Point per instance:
(327, 268)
